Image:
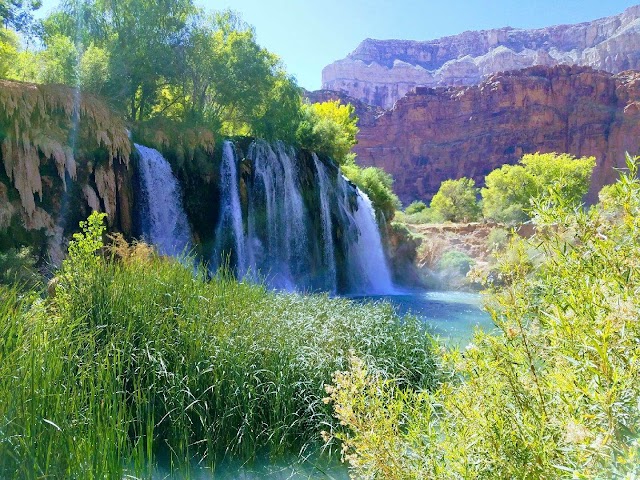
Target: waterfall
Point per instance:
(289, 242)
(368, 269)
(327, 230)
(164, 223)
(230, 230)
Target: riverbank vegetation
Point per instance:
(130, 356)
(555, 394)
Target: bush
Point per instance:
(456, 201)
(329, 128)
(17, 267)
(377, 184)
(497, 239)
(555, 395)
(510, 189)
(415, 207)
(455, 261)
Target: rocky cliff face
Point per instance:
(436, 134)
(380, 72)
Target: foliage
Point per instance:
(555, 395)
(93, 69)
(18, 13)
(456, 261)
(59, 61)
(329, 128)
(377, 184)
(17, 267)
(9, 44)
(456, 201)
(173, 61)
(416, 206)
(428, 215)
(510, 189)
(134, 357)
(497, 239)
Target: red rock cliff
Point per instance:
(436, 134)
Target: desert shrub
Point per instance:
(555, 395)
(427, 215)
(497, 239)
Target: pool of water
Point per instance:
(452, 315)
(288, 467)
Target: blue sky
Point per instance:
(308, 35)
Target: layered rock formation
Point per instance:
(380, 72)
(62, 156)
(436, 134)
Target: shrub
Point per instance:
(377, 184)
(416, 206)
(456, 261)
(555, 395)
(456, 201)
(510, 189)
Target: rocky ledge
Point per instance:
(435, 134)
(379, 72)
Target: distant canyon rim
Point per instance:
(466, 104)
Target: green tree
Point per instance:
(59, 61)
(510, 189)
(9, 44)
(377, 184)
(329, 128)
(456, 200)
(415, 207)
(94, 69)
(17, 14)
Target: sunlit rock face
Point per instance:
(379, 72)
(440, 133)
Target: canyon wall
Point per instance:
(379, 72)
(435, 134)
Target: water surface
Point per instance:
(452, 315)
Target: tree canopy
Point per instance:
(509, 189)
(456, 200)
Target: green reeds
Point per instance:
(135, 358)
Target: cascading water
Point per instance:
(327, 230)
(165, 223)
(306, 228)
(230, 230)
(367, 253)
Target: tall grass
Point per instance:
(138, 357)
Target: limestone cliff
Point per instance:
(436, 134)
(379, 72)
(63, 154)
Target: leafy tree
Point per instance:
(377, 184)
(510, 189)
(94, 69)
(416, 206)
(59, 61)
(17, 14)
(8, 51)
(329, 128)
(456, 200)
